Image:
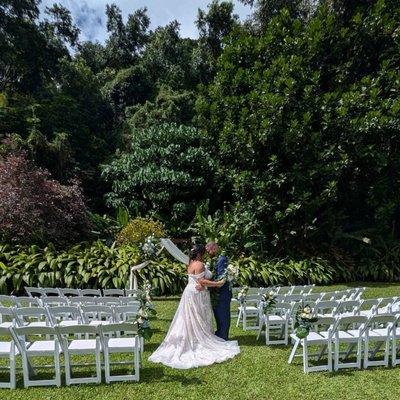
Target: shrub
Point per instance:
(138, 229)
(35, 208)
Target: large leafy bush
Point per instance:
(138, 229)
(35, 208)
(165, 171)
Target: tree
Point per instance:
(164, 171)
(37, 209)
(305, 121)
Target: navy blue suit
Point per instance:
(222, 310)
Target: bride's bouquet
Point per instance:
(231, 275)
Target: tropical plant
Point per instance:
(139, 229)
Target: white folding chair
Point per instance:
(7, 301)
(75, 347)
(378, 330)
(97, 315)
(368, 307)
(315, 297)
(66, 292)
(91, 292)
(33, 317)
(395, 342)
(108, 301)
(65, 315)
(27, 301)
(249, 312)
(348, 308)
(126, 313)
(320, 337)
(9, 352)
(348, 331)
(38, 348)
(34, 291)
(385, 305)
(113, 292)
(53, 301)
(120, 344)
(7, 317)
(82, 300)
(128, 300)
(276, 323)
(326, 308)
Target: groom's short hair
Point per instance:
(210, 245)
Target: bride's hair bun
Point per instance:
(196, 251)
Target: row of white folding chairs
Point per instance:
(363, 336)
(280, 319)
(281, 290)
(46, 341)
(249, 308)
(26, 301)
(67, 315)
(66, 292)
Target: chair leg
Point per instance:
(67, 369)
(12, 369)
(305, 357)
(57, 367)
(98, 362)
(106, 364)
(293, 352)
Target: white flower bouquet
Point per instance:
(305, 319)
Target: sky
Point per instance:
(89, 15)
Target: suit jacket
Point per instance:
(224, 291)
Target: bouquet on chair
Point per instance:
(146, 310)
(242, 294)
(305, 319)
(268, 301)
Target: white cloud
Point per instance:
(89, 15)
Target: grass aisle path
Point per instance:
(259, 372)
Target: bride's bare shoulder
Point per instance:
(195, 267)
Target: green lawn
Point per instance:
(259, 372)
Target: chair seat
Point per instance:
(276, 319)
(351, 335)
(82, 345)
(378, 333)
(69, 322)
(5, 349)
(7, 324)
(42, 347)
(98, 323)
(312, 338)
(37, 323)
(119, 344)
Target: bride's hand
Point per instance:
(221, 283)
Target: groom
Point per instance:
(222, 307)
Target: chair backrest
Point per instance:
(354, 322)
(97, 312)
(64, 313)
(25, 315)
(23, 331)
(283, 290)
(281, 308)
(54, 301)
(34, 291)
(91, 292)
(368, 304)
(113, 292)
(7, 314)
(381, 320)
(313, 297)
(326, 306)
(293, 297)
(126, 313)
(324, 324)
(128, 300)
(7, 301)
(125, 327)
(66, 331)
(66, 292)
(108, 301)
(50, 292)
(348, 306)
(82, 300)
(26, 301)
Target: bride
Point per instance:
(190, 342)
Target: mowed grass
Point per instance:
(259, 372)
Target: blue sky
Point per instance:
(89, 15)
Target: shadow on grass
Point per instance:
(152, 373)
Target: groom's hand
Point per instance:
(199, 287)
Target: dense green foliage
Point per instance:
(165, 172)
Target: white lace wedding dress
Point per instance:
(190, 342)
